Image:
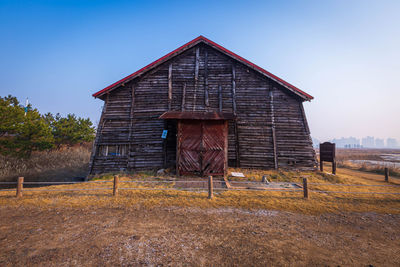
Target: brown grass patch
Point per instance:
(344, 157)
(54, 165)
(287, 201)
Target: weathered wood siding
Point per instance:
(131, 112)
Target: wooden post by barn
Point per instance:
(327, 153)
(210, 187)
(334, 166)
(386, 174)
(115, 187)
(20, 186)
(305, 188)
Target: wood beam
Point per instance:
(235, 125)
(206, 101)
(220, 98)
(196, 76)
(169, 86)
(183, 97)
(131, 114)
(234, 88)
(271, 102)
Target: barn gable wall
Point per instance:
(131, 114)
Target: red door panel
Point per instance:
(213, 147)
(202, 147)
(189, 141)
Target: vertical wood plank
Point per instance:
(183, 97)
(271, 99)
(237, 145)
(226, 131)
(235, 125)
(178, 147)
(196, 76)
(234, 88)
(129, 162)
(220, 98)
(206, 92)
(20, 186)
(201, 153)
(274, 146)
(169, 86)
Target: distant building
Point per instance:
(349, 142)
(379, 143)
(368, 142)
(391, 143)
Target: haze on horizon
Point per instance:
(344, 53)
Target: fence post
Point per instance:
(210, 187)
(334, 167)
(305, 188)
(321, 165)
(115, 188)
(20, 186)
(386, 174)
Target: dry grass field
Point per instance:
(345, 158)
(174, 227)
(55, 165)
(169, 228)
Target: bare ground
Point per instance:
(170, 236)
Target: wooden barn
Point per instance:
(200, 109)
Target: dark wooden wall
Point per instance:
(271, 127)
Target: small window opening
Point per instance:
(113, 150)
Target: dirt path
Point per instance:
(193, 236)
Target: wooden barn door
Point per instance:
(202, 147)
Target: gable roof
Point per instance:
(202, 39)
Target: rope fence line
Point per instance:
(70, 189)
(209, 182)
(372, 193)
(357, 185)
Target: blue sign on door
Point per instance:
(164, 134)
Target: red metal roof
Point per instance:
(216, 46)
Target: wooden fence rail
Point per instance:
(210, 184)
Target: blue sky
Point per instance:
(344, 53)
